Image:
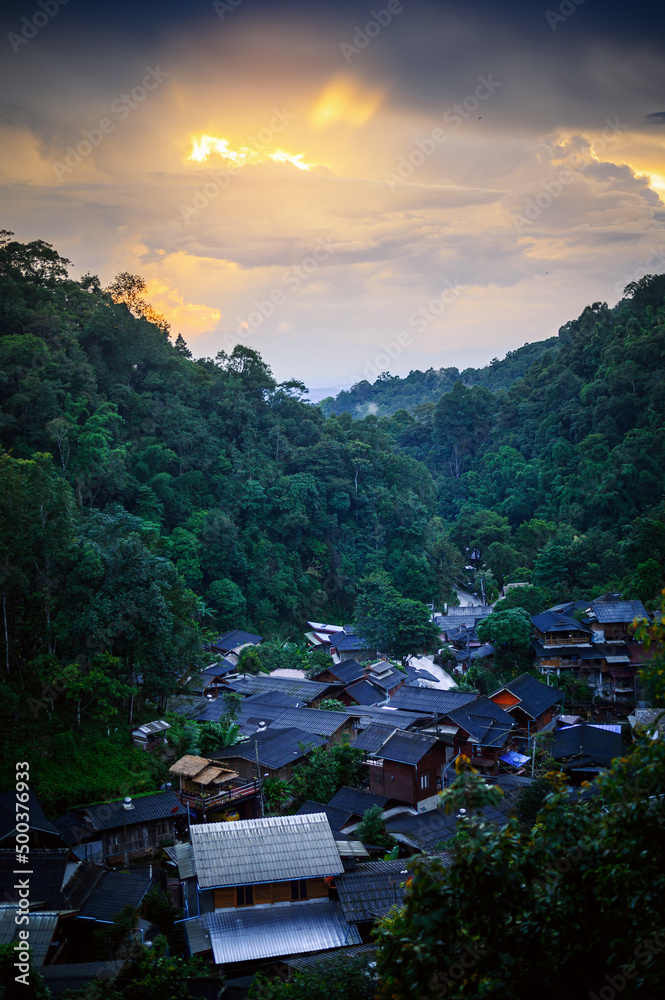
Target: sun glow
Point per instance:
(345, 100)
(205, 145)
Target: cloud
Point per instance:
(655, 118)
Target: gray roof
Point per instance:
(198, 936)
(385, 715)
(76, 976)
(42, 928)
(348, 641)
(618, 611)
(372, 738)
(278, 698)
(114, 891)
(338, 818)
(535, 697)
(310, 720)
(231, 640)
(429, 700)
(356, 801)
(297, 687)
(184, 858)
(347, 671)
(112, 815)
(276, 849)
(317, 963)
(552, 621)
(48, 873)
(390, 680)
(406, 748)
(592, 746)
(371, 889)
(365, 693)
(261, 932)
(276, 747)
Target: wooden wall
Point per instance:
(271, 892)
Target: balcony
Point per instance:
(206, 801)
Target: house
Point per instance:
(344, 673)
(531, 703)
(234, 642)
(278, 752)
(387, 677)
(363, 692)
(208, 787)
(408, 767)
(334, 726)
(479, 730)
(260, 889)
(348, 645)
(306, 693)
(586, 749)
(42, 832)
(150, 735)
(611, 618)
(465, 658)
(385, 715)
(559, 642)
(125, 827)
(611, 669)
(209, 681)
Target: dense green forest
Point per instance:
(149, 499)
(390, 393)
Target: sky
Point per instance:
(347, 188)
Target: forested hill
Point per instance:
(390, 393)
(146, 497)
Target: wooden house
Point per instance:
(408, 767)
(206, 786)
(531, 703)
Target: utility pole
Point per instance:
(258, 774)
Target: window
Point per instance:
(424, 780)
(244, 895)
(299, 889)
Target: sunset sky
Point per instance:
(347, 188)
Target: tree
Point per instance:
(324, 772)
(372, 829)
(510, 634)
(249, 661)
(469, 931)
(391, 623)
(340, 976)
(332, 705)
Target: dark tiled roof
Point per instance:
(43, 924)
(386, 715)
(413, 676)
(426, 830)
(407, 748)
(81, 883)
(112, 815)
(484, 721)
(47, 866)
(567, 651)
(280, 698)
(230, 640)
(595, 746)
(356, 800)
(551, 621)
(277, 747)
(310, 720)
(390, 680)
(219, 669)
(429, 700)
(348, 671)
(302, 690)
(364, 693)
(317, 963)
(338, 818)
(371, 889)
(38, 820)
(76, 976)
(350, 640)
(535, 697)
(373, 737)
(114, 891)
(618, 611)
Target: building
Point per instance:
(42, 832)
(150, 735)
(260, 889)
(611, 618)
(209, 789)
(408, 767)
(235, 641)
(278, 752)
(531, 703)
(586, 749)
(481, 731)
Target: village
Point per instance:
(254, 883)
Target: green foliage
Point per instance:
(391, 623)
(324, 772)
(249, 661)
(334, 978)
(276, 794)
(32, 987)
(332, 705)
(510, 634)
(152, 974)
(372, 829)
(508, 888)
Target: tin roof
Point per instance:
(429, 700)
(276, 747)
(371, 889)
(42, 928)
(47, 877)
(111, 815)
(534, 696)
(283, 929)
(406, 748)
(276, 849)
(617, 611)
(114, 891)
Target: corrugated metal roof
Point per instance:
(371, 889)
(198, 936)
(276, 747)
(338, 818)
(150, 728)
(365, 693)
(81, 883)
(618, 611)
(317, 963)
(310, 720)
(48, 868)
(372, 738)
(352, 849)
(184, 858)
(41, 930)
(261, 932)
(298, 687)
(356, 800)
(276, 849)
(386, 715)
(407, 748)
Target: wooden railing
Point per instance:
(202, 801)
